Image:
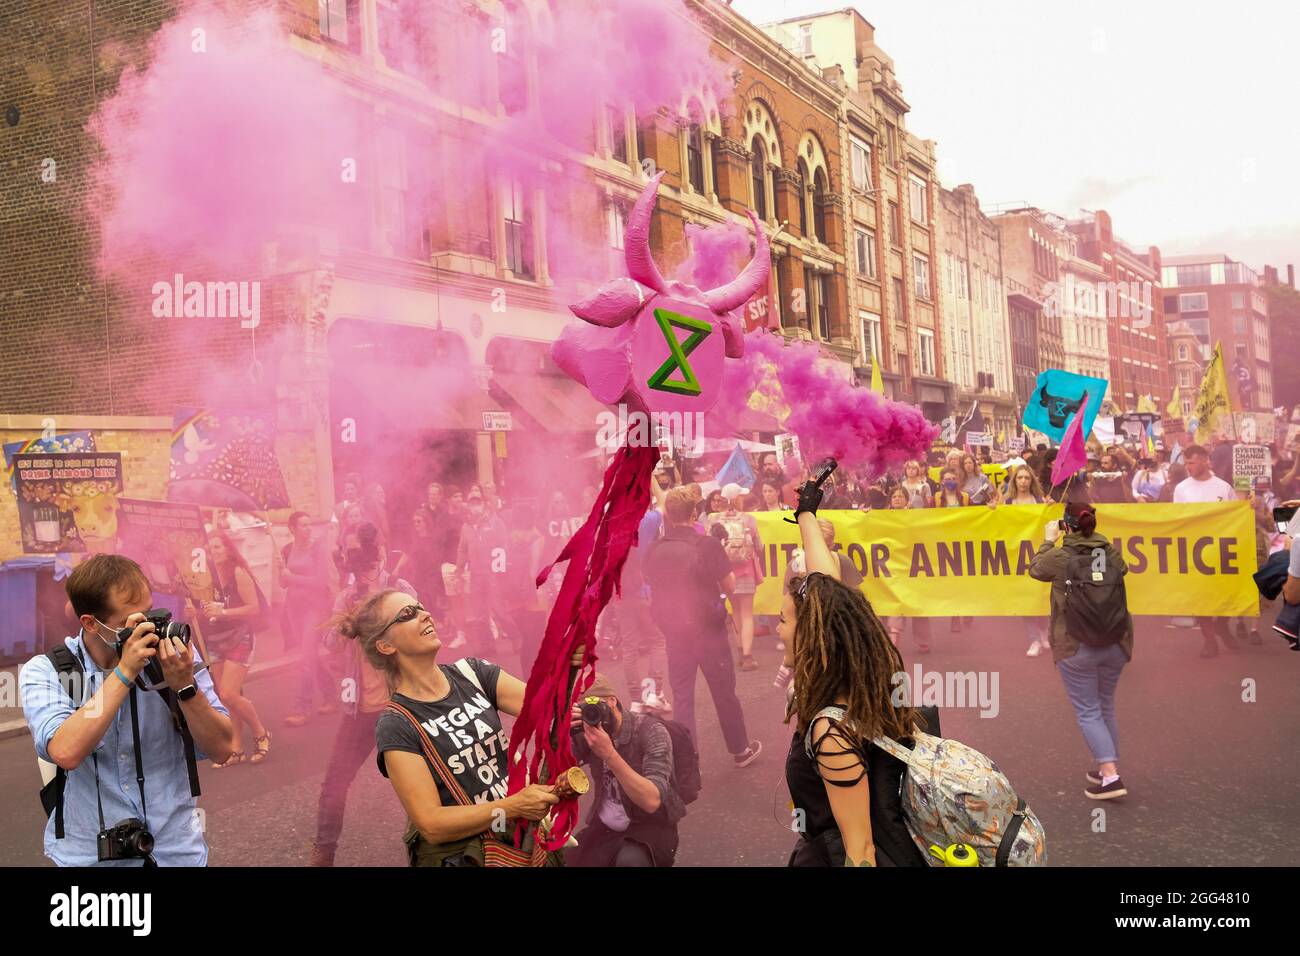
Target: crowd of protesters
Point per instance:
(366, 596)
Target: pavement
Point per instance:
(1207, 754)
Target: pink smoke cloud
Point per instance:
(832, 416)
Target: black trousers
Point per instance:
(641, 844)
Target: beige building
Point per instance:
(973, 299)
(1188, 356)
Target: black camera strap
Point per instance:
(139, 757)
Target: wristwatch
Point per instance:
(185, 693)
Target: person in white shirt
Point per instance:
(1202, 485)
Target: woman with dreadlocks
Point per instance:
(844, 788)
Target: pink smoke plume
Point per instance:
(718, 252)
(832, 416)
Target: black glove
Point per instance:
(810, 499)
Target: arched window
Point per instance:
(803, 197)
(757, 169)
(819, 205)
(695, 157)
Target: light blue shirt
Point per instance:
(174, 819)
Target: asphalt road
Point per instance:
(1212, 777)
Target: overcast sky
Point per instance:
(1177, 116)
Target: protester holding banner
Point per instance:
(1089, 650)
(1202, 485)
(770, 496)
(974, 483)
(1110, 483)
(1149, 481)
(900, 501)
(920, 494)
(228, 638)
(1024, 489)
(950, 493)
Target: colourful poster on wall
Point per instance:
(226, 459)
(68, 502)
(75, 442)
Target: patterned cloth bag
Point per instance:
(954, 794)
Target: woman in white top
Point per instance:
(914, 483)
(1148, 481)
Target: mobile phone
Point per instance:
(1283, 515)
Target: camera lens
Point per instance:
(140, 842)
(592, 713)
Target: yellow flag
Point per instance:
(877, 383)
(1147, 404)
(1212, 403)
(1175, 407)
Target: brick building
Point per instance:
(421, 288)
(1024, 321)
(1033, 245)
(1133, 310)
(890, 192)
(1223, 301)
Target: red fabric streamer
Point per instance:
(596, 554)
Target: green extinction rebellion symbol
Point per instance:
(688, 384)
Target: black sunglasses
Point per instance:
(408, 613)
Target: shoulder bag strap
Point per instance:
(435, 759)
(895, 749)
(1013, 829)
(465, 667)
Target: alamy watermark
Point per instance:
(679, 431)
(1120, 300)
(947, 689)
(210, 300)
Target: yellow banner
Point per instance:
(1183, 560)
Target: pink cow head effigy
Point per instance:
(628, 349)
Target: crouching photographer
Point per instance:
(645, 771)
(132, 802)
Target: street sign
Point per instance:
(497, 422)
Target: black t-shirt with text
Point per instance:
(465, 729)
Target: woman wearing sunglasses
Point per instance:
(440, 738)
(844, 788)
(363, 693)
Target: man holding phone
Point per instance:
(121, 782)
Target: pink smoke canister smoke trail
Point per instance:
(834, 417)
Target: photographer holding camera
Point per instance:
(73, 701)
(637, 803)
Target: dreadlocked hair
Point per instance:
(843, 651)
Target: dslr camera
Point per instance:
(128, 840)
(163, 626)
(596, 713)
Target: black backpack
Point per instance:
(1096, 601)
(684, 598)
(686, 760)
